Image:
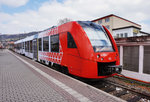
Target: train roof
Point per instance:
(27, 39)
(52, 29)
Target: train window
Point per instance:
(40, 44)
(31, 46)
(46, 43)
(70, 41)
(107, 19)
(26, 46)
(22, 45)
(18, 46)
(55, 43)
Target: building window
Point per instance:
(100, 21)
(117, 35)
(46, 43)
(134, 34)
(126, 34)
(31, 46)
(122, 35)
(71, 43)
(107, 26)
(55, 43)
(107, 19)
(40, 44)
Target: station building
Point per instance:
(120, 27)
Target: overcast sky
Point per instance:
(19, 16)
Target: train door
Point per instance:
(72, 54)
(35, 50)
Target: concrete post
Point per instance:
(141, 56)
(121, 55)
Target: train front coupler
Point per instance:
(114, 69)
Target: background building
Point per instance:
(120, 27)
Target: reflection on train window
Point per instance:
(46, 43)
(40, 44)
(55, 43)
(31, 46)
(70, 43)
(99, 39)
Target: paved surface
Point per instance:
(19, 82)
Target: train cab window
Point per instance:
(46, 43)
(98, 37)
(40, 44)
(55, 43)
(70, 41)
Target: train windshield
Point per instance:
(98, 37)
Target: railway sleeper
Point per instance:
(134, 99)
(110, 89)
(121, 93)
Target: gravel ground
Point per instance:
(139, 86)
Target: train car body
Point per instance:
(86, 49)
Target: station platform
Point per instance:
(24, 80)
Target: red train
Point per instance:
(81, 48)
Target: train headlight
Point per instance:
(117, 69)
(102, 59)
(98, 56)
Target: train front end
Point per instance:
(103, 54)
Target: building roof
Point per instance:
(115, 16)
(126, 27)
(144, 33)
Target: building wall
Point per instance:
(122, 31)
(119, 23)
(129, 31)
(116, 22)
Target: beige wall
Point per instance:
(118, 23)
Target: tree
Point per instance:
(63, 21)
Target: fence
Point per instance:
(135, 59)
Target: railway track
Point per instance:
(121, 91)
(128, 94)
